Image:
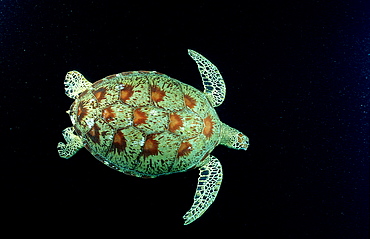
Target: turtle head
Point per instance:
(233, 138)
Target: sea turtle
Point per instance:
(147, 124)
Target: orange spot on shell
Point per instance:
(150, 146)
(175, 122)
(157, 94)
(94, 133)
(108, 114)
(208, 126)
(100, 94)
(81, 112)
(184, 149)
(190, 101)
(139, 117)
(126, 93)
(119, 141)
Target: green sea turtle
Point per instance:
(147, 124)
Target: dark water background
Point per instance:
(297, 76)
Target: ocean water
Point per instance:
(298, 80)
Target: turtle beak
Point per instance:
(244, 141)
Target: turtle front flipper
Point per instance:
(214, 85)
(75, 83)
(209, 182)
(74, 143)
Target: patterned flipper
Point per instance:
(75, 83)
(209, 182)
(74, 143)
(214, 85)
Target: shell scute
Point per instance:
(192, 148)
(151, 119)
(99, 138)
(134, 90)
(212, 129)
(105, 92)
(166, 93)
(126, 148)
(195, 100)
(118, 115)
(185, 123)
(157, 157)
(84, 112)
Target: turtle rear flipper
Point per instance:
(74, 143)
(75, 83)
(209, 182)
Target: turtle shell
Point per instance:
(146, 124)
